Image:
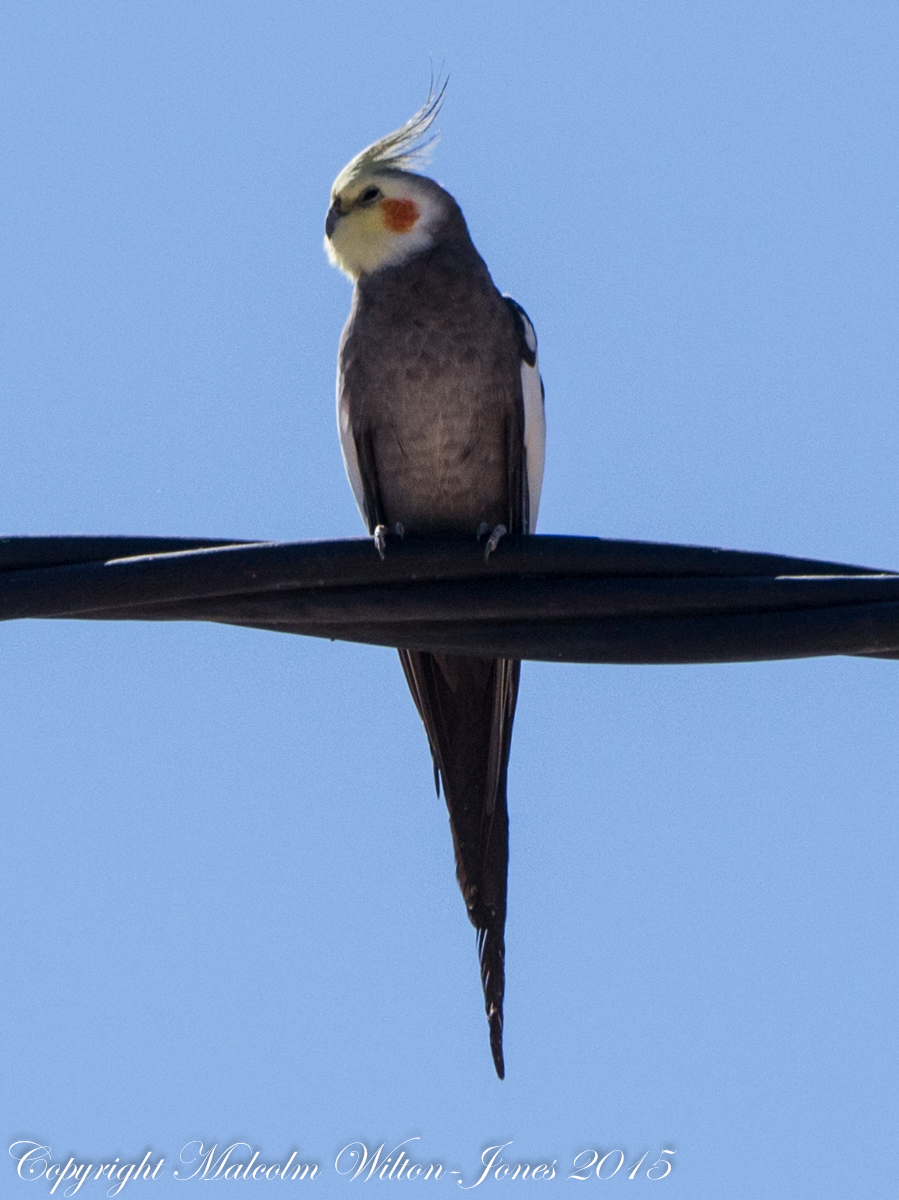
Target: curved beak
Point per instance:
(335, 212)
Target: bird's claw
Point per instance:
(380, 536)
(493, 541)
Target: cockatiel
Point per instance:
(440, 415)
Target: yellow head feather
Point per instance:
(401, 150)
(382, 212)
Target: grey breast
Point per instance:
(430, 374)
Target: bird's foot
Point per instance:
(493, 541)
(380, 536)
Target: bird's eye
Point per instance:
(370, 195)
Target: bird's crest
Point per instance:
(401, 150)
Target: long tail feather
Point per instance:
(468, 706)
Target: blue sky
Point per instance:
(231, 907)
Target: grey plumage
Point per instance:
(432, 415)
(429, 375)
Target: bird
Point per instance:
(440, 413)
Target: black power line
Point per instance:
(565, 599)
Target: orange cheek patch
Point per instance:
(399, 215)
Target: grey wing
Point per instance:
(360, 464)
(532, 395)
(348, 448)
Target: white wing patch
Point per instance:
(348, 446)
(534, 424)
